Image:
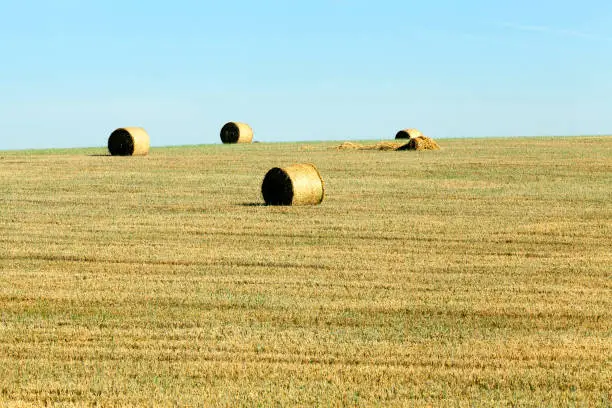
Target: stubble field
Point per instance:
(477, 275)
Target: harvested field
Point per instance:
(475, 276)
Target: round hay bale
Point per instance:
(298, 184)
(129, 141)
(236, 132)
(408, 134)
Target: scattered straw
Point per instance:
(417, 143)
(385, 146)
(420, 143)
(377, 146)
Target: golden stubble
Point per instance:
(474, 275)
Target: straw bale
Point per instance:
(408, 133)
(129, 141)
(236, 132)
(298, 184)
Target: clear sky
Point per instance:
(71, 71)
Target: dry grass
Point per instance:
(475, 276)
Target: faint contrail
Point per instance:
(556, 31)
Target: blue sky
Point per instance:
(72, 71)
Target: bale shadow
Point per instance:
(100, 155)
(252, 204)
